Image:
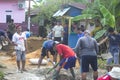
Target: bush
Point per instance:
(102, 64)
(1, 75)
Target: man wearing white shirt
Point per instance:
(58, 32)
(19, 41)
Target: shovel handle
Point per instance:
(52, 68)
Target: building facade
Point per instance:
(12, 9)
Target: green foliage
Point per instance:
(99, 34)
(108, 18)
(84, 16)
(35, 20)
(48, 8)
(106, 11)
(101, 63)
(1, 75)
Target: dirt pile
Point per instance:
(34, 43)
(34, 54)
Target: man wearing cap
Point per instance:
(47, 47)
(87, 49)
(114, 74)
(67, 59)
(20, 43)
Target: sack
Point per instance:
(106, 55)
(35, 61)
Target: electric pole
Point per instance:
(29, 4)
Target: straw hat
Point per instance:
(115, 72)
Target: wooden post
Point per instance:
(69, 26)
(29, 15)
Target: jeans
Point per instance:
(114, 50)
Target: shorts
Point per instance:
(68, 62)
(87, 60)
(20, 55)
(57, 39)
(45, 51)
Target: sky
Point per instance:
(27, 3)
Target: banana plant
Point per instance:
(108, 18)
(83, 17)
(100, 34)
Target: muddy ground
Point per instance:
(7, 60)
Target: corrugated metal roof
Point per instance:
(61, 12)
(78, 5)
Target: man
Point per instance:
(27, 33)
(114, 42)
(3, 37)
(58, 32)
(86, 49)
(80, 32)
(19, 41)
(11, 29)
(46, 47)
(67, 59)
(114, 74)
(65, 34)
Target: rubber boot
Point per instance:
(72, 72)
(55, 75)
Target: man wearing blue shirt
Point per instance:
(46, 47)
(80, 32)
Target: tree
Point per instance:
(103, 10)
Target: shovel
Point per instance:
(54, 66)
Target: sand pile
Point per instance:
(34, 54)
(34, 49)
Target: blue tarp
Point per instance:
(72, 39)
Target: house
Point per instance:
(71, 10)
(14, 9)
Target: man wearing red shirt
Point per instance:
(67, 59)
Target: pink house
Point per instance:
(12, 9)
